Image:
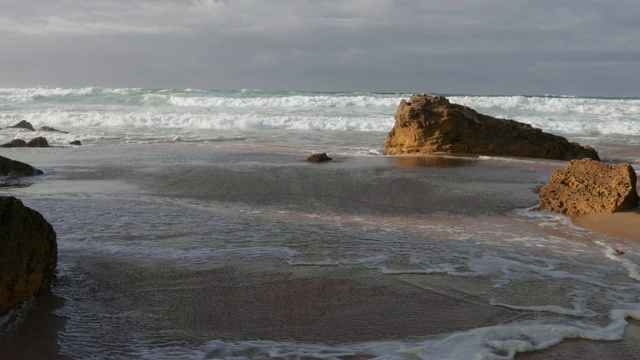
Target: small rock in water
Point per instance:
(38, 142)
(15, 143)
(319, 158)
(24, 124)
(75, 142)
(49, 128)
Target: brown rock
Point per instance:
(49, 128)
(38, 142)
(28, 252)
(76, 142)
(12, 167)
(15, 143)
(23, 124)
(587, 187)
(319, 158)
(431, 124)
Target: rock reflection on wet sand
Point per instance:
(431, 161)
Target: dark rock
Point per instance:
(75, 142)
(23, 124)
(430, 124)
(12, 167)
(49, 128)
(38, 142)
(15, 143)
(587, 187)
(319, 158)
(28, 252)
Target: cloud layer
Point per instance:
(586, 47)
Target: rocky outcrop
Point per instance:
(15, 143)
(431, 124)
(319, 158)
(38, 142)
(28, 252)
(12, 167)
(587, 187)
(23, 124)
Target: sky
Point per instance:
(559, 47)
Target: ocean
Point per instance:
(190, 226)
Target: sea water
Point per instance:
(344, 123)
(179, 197)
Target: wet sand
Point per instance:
(302, 304)
(625, 225)
(329, 305)
(32, 331)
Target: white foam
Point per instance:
(577, 312)
(552, 104)
(632, 268)
(291, 101)
(492, 342)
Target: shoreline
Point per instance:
(582, 349)
(624, 225)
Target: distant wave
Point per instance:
(296, 110)
(544, 104)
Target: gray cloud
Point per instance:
(576, 47)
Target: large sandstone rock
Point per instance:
(28, 252)
(587, 187)
(431, 124)
(13, 167)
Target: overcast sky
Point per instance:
(573, 47)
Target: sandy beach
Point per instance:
(625, 225)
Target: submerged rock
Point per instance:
(15, 143)
(28, 252)
(431, 124)
(13, 167)
(587, 187)
(49, 128)
(319, 158)
(38, 142)
(23, 124)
